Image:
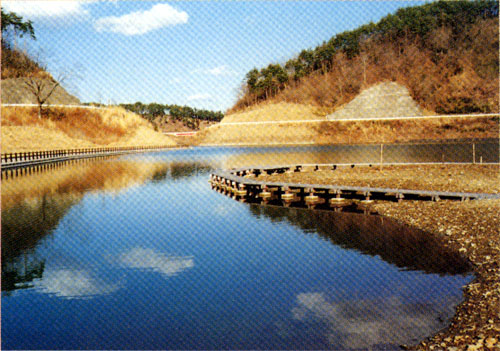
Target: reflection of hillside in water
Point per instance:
(24, 225)
(396, 153)
(34, 204)
(311, 155)
(405, 247)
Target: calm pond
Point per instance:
(137, 252)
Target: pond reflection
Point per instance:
(487, 150)
(34, 203)
(137, 252)
(367, 323)
(73, 284)
(405, 247)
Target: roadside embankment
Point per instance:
(470, 227)
(70, 128)
(269, 125)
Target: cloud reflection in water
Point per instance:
(149, 259)
(370, 323)
(73, 284)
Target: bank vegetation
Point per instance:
(444, 52)
(68, 128)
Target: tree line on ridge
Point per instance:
(443, 37)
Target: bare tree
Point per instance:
(42, 89)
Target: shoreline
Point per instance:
(470, 228)
(476, 323)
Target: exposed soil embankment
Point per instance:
(17, 91)
(470, 227)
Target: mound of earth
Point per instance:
(15, 91)
(387, 99)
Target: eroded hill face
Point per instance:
(292, 124)
(16, 91)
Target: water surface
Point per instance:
(138, 252)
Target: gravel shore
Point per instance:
(470, 227)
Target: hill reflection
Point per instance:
(33, 204)
(403, 246)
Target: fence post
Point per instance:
(474, 153)
(381, 156)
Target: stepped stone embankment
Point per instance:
(386, 99)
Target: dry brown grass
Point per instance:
(282, 111)
(351, 132)
(22, 130)
(461, 79)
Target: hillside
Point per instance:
(321, 131)
(26, 81)
(69, 128)
(15, 91)
(281, 111)
(444, 52)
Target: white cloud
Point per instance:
(47, 9)
(200, 96)
(222, 70)
(73, 284)
(141, 22)
(150, 259)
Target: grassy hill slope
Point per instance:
(444, 52)
(67, 128)
(323, 131)
(15, 91)
(62, 128)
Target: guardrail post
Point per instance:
(381, 157)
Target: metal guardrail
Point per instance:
(23, 159)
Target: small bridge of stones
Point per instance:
(243, 184)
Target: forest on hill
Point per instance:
(16, 63)
(190, 116)
(444, 52)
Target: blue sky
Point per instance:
(184, 52)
